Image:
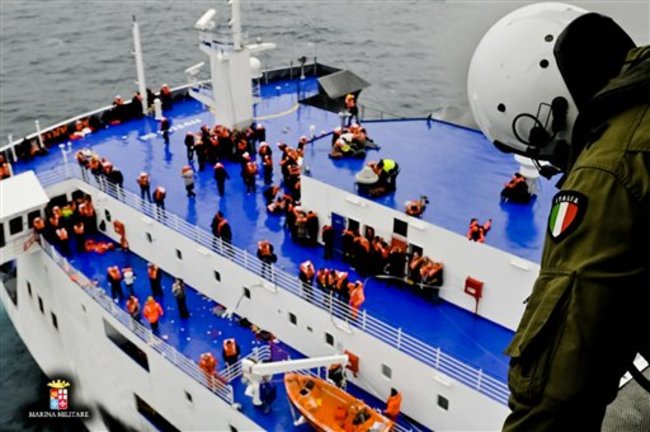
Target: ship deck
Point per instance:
(463, 173)
(203, 332)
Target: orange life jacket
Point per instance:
(208, 363)
(79, 228)
(357, 296)
(54, 221)
(229, 347)
(38, 224)
(153, 272)
(393, 405)
(221, 224)
(152, 311)
(115, 273)
(159, 194)
(251, 168)
(307, 268)
(132, 305)
(62, 233)
(143, 180)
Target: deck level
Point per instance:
(465, 175)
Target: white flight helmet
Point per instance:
(516, 91)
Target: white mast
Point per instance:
(230, 91)
(139, 65)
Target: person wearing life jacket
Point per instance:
(200, 148)
(249, 171)
(340, 285)
(347, 245)
(152, 312)
(327, 234)
(114, 276)
(516, 190)
(133, 307)
(208, 364)
(393, 405)
(336, 374)
(387, 171)
(414, 267)
(477, 232)
(155, 279)
(312, 228)
(39, 226)
(322, 277)
(165, 97)
(266, 254)
(221, 228)
(302, 143)
(230, 351)
(265, 149)
(415, 208)
(145, 185)
(306, 274)
(352, 109)
(129, 278)
(267, 169)
(63, 240)
(5, 168)
(187, 173)
(159, 195)
(361, 255)
(79, 230)
(220, 176)
(357, 297)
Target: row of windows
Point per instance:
(41, 306)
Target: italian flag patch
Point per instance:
(566, 213)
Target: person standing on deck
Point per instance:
(114, 277)
(328, 241)
(63, 239)
(357, 297)
(178, 289)
(306, 276)
(133, 307)
(208, 364)
(220, 176)
(188, 179)
(159, 199)
(165, 125)
(267, 256)
(129, 278)
(393, 405)
(145, 185)
(155, 279)
(79, 237)
(152, 312)
(267, 394)
(189, 145)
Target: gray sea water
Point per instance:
(61, 58)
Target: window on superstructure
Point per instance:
(247, 292)
(29, 289)
(443, 402)
(55, 321)
(40, 305)
(188, 396)
(233, 429)
(153, 416)
(107, 214)
(386, 371)
(149, 238)
(11, 287)
(400, 227)
(293, 319)
(15, 225)
(127, 347)
(179, 254)
(217, 276)
(329, 339)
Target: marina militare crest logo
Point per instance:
(58, 394)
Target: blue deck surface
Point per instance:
(463, 178)
(203, 331)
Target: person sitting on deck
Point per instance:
(415, 208)
(477, 232)
(516, 190)
(387, 171)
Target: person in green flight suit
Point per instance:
(560, 85)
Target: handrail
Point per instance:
(435, 358)
(187, 365)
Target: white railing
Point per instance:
(224, 391)
(341, 314)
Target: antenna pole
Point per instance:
(235, 24)
(139, 65)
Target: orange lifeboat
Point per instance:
(327, 408)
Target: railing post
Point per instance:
(399, 337)
(364, 319)
(37, 124)
(479, 379)
(10, 137)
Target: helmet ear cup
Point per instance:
(559, 110)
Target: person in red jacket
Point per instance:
(393, 405)
(152, 312)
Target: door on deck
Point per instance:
(338, 224)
